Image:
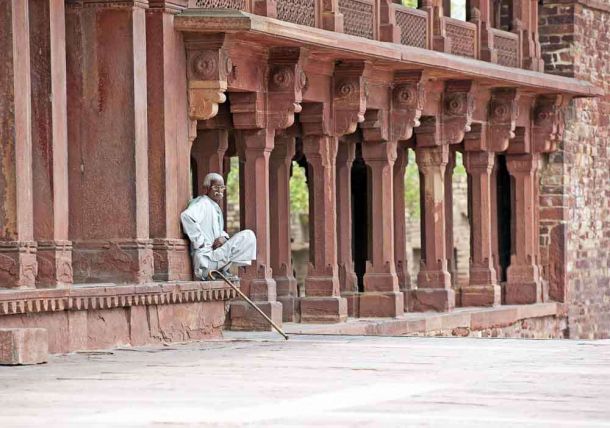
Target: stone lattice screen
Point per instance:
(462, 37)
(413, 25)
(507, 47)
(358, 17)
(220, 4)
(301, 12)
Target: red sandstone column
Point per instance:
(381, 296)
(493, 195)
(348, 282)
(208, 151)
(451, 262)
(49, 143)
(400, 230)
(256, 280)
(279, 228)
(433, 281)
(18, 265)
(482, 289)
(108, 150)
(168, 148)
(323, 302)
(523, 282)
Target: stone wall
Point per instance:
(575, 192)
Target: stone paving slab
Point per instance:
(258, 379)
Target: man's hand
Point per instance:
(219, 242)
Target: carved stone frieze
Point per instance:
(285, 84)
(502, 116)
(349, 96)
(208, 69)
(408, 99)
(458, 107)
(548, 122)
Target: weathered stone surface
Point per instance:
(23, 346)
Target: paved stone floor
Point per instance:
(256, 379)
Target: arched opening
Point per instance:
(504, 192)
(300, 217)
(457, 9)
(412, 216)
(360, 216)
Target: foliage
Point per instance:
(299, 194)
(233, 182)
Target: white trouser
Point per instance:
(239, 250)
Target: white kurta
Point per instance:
(203, 222)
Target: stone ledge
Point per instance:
(108, 296)
(472, 319)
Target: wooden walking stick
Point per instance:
(212, 274)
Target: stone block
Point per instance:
(242, 316)
(323, 309)
(431, 299)
(381, 304)
(484, 295)
(23, 346)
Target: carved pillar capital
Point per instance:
(458, 107)
(548, 122)
(502, 115)
(432, 158)
(349, 96)
(285, 83)
(248, 110)
(209, 68)
(408, 99)
(167, 6)
(315, 119)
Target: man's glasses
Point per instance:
(219, 188)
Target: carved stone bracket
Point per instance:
(428, 132)
(408, 99)
(349, 96)
(503, 113)
(548, 122)
(208, 69)
(375, 125)
(286, 81)
(458, 107)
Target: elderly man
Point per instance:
(211, 247)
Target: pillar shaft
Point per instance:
(381, 296)
(168, 184)
(255, 149)
(322, 301)
(400, 230)
(482, 289)
(18, 266)
(523, 282)
(449, 243)
(348, 282)
(433, 281)
(108, 152)
(49, 143)
(279, 215)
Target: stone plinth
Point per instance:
(23, 346)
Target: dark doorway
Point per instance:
(360, 216)
(504, 215)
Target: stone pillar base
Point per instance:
(54, 264)
(381, 304)
(291, 309)
(18, 266)
(172, 260)
(114, 261)
(323, 309)
(431, 299)
(242, 316)
(353, 303)
(287, 295)
(523, 293)
(481, 295)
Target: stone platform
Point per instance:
(542, 320)
(102, 316)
